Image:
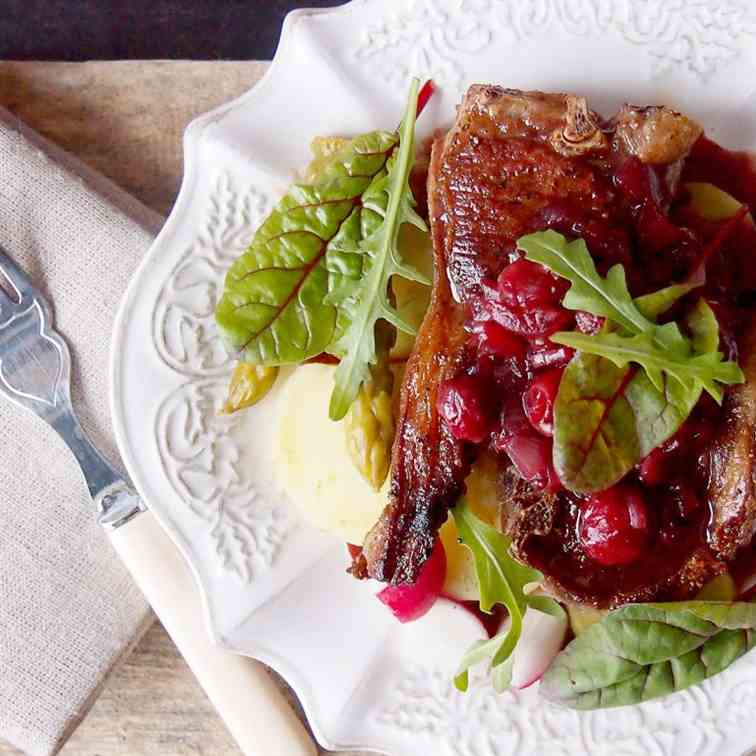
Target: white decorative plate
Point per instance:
(274, 587)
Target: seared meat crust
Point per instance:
(509, 156)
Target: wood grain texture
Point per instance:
(126, 119)
(151, 704)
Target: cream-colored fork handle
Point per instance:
(251, 705)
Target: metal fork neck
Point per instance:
(116, 500)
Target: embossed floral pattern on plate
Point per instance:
(436, 37)
(184, 327)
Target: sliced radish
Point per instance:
(410, 602)
(541, 640)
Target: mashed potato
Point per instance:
(320, 478)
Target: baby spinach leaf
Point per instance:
(274, 310)
(365, 300)
(501, 580)
(643, 651)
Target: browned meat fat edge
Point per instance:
(732, 457)
(428, 464)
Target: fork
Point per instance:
(35, 373)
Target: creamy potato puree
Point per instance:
(319, 476)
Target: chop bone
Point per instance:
(581, 132)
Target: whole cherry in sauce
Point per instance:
(497, 341)
(529, 451)
(463, 403)
(539, 399)
(613, 526)
(526, 301)
(544, 354)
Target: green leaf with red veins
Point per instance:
(608, 417)
(274, 310)
(596, 439)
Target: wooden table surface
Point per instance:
(126, 120)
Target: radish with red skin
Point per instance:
(410, 602)
(542, 638)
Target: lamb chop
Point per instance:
(514, 163)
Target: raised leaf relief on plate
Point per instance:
(439, 38)
(202, 454)
(184, 329)
(476, 723)
(483, 723)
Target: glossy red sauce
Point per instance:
(659, 241)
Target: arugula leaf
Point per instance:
(365, 300)
(501, 580)
(643, 651)
(657, 348)
(274, 310)
(645, 342)
(486, 650)
(707, 370)
(606, 297)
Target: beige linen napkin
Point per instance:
(68, 608)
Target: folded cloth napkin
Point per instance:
(68, 608)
